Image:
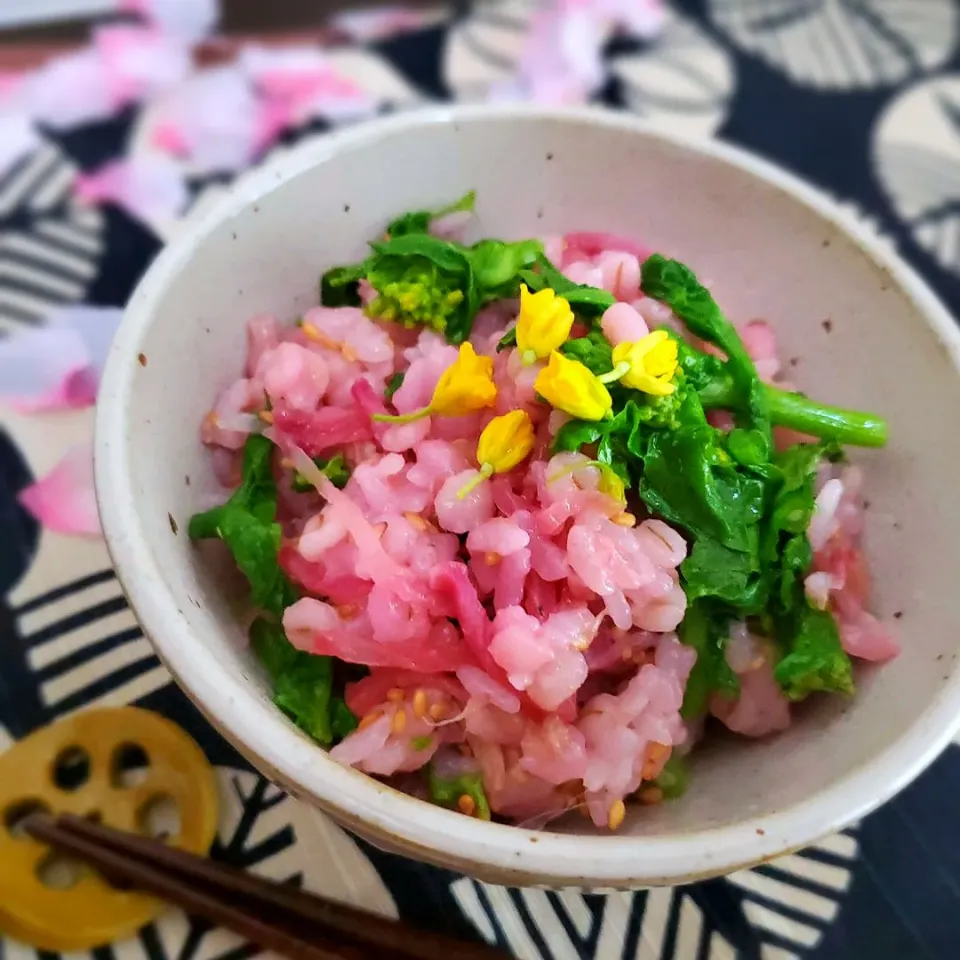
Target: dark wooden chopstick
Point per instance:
(280, 918)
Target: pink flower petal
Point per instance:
(365, 26)
(64, 500)
(214, 120)
(149, 187)
(18, 137)
(141, 62)
(58, 366)
(190, 19)
(65, 92)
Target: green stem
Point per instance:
(620, 370)
(805, 415)
(402, 417)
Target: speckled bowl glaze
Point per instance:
(858, 326)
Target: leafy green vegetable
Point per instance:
(246, 524)
(675, 284)
(689, 480)
(509, 339)
(798, 412)
(340, 287)
(342, 719)
(706, 628)
(422, 743)
(419, 221)
(335, 468)
(302, 682)
(584, 300)
(393, 385)
(673, 778)
(447, 793)
(425, 280)
(816, 660)
(714, 570)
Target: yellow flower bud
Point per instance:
(505, 441)
(569, 386)
(653, 363)
(544, 323)
(466, 385)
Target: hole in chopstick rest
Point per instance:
(16, 814)
(59, 872)
(129, 766)
(71, 769)
(159, 818)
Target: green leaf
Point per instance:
(246, 524)
(706, 630)
(714, 570)
(576, 433)
(689, 480)
(509, 339)
(816, 659)
(393, 385)
(335, 468)
(584, 300)
(676, 285)
(673, 779)
(340, 286)
(447, 793)
(342, 719)
(497, 266)
(302, 682)
(418, 221)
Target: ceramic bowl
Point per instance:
(859, 328)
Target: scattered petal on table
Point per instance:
(66, 91)
(150, 187)
(64, 500)
(299, 83)
(367, 25)
(18, 137)
(58, 366)
(142, 61)
(192, 19)
(214, 121)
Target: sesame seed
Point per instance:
(467, 804)
(651, 795)
(617, 812)
(266, 416)
(416, 521)
(420, 703)
(438, 711)
(399, 722)
(491, 558)
(287, 463)
(347, 611)
(368, 719)
(625, 519)
(395, 695)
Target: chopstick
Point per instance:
(283, 919)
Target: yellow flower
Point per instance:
(569, 386)
(543, 325)
(465, 387)
(652, 363)
(505, 442)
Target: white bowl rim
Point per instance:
(259, 730)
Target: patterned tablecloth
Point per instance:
(862, 97)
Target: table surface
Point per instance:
(860, 96)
